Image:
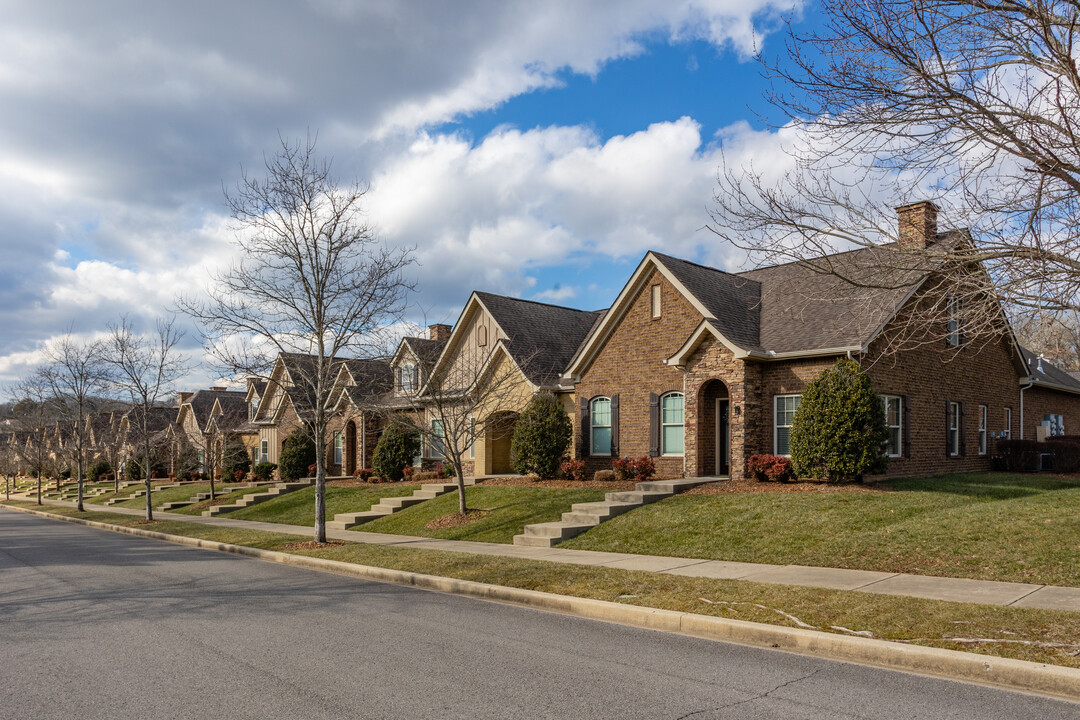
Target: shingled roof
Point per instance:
(233, 404)
(1045, 373)
(541, 338)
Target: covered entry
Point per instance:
(498, 435)
(714, 429)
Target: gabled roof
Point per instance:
(1043, 373)
(541, 338)
(201, 405)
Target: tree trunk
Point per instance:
(79, 470)
(320, 494)
(213, 490)
(149, 500)
(461, 490)
(39, 488)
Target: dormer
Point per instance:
(414, 358)
(256, 387)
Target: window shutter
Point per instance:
(960, 429)
(397, 379)
(586, 425)
(415, 377)
(654, 425)
(906, 423)
(948, 445)
(615, 425)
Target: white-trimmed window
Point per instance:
(438, 433)
(472, 436)
(264, 451)
(894, 423)
(1008, 423)
(954, 330)
(202, 461)
(600, 426)
(655, 298)
(338, 447)
(953, 439)
(408, 378)
(254, 456)
(982, 429)
(672, 429)
(783, 418)
(253, 409)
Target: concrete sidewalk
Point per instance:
(989, 592)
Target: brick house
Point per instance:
(212, 422)
(700, 368)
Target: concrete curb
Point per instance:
(1017, 675)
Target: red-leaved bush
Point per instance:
(573, 469)
(774, 468)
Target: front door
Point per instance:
(723, 438)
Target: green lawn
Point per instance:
(160, 497)
(298, 508)
(989, 526)
(510, 510)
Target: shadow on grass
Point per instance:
(989, 486)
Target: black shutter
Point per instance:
(960, 429)
(615, 425)
(585, 425)
(905, 422)
(397, 379)
(654, 425)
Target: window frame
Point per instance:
(339, 447)
(899, 427)
(952, 428)
(983, 425)
(593, 426)
(408, 377)
(264, 451)
(776, 422)
(472, 437)
(664, 425)
(437, 441)
(1008, 423)
(954, 322)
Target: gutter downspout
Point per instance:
(1030, 382)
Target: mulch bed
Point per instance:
(311, 545)
(352, 482)
(457, 519)
(724, 487)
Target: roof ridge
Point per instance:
(535, 302)
(697, 264)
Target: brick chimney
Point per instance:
(217, 389)
(917, 225)
(185, 396)
(439, 332)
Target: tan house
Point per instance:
(214, 423)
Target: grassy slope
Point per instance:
(160, 497)
(991, 526)
(510, 510)
(921, 622)
(298, 508)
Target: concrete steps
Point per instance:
(389, 506)
(585, 516)
(276, 490)
(200, 497)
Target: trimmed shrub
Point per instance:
(297, 454)
(624, 468)
(133, 470)
(573, 469)
(239, 466)
(264, 471)
(644, 468)
(603, 475)
(364, 474)
(839, 432)
(394, 452)
(99, 469)
(773, 468)
(1022, 455)
(1066, 451)
(541, 437)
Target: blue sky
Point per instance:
(528, 150)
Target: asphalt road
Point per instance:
(99, 625)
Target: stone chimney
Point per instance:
(185, 396)
(439, 332)
(917, 225)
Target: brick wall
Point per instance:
(1044, 401)
(631, 363)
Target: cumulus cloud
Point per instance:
(129, 117)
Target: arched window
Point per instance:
(600, 418)
(672, 430)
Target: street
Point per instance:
(95, 624)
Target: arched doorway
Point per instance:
(350, 448)
(714, 429)
(499, 433)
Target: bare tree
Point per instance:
(973, 104)
(1055, 336)
(76, 377)
(459, 399)
(312, 280)
(9, 461)
(36, 443)
(145, 368)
